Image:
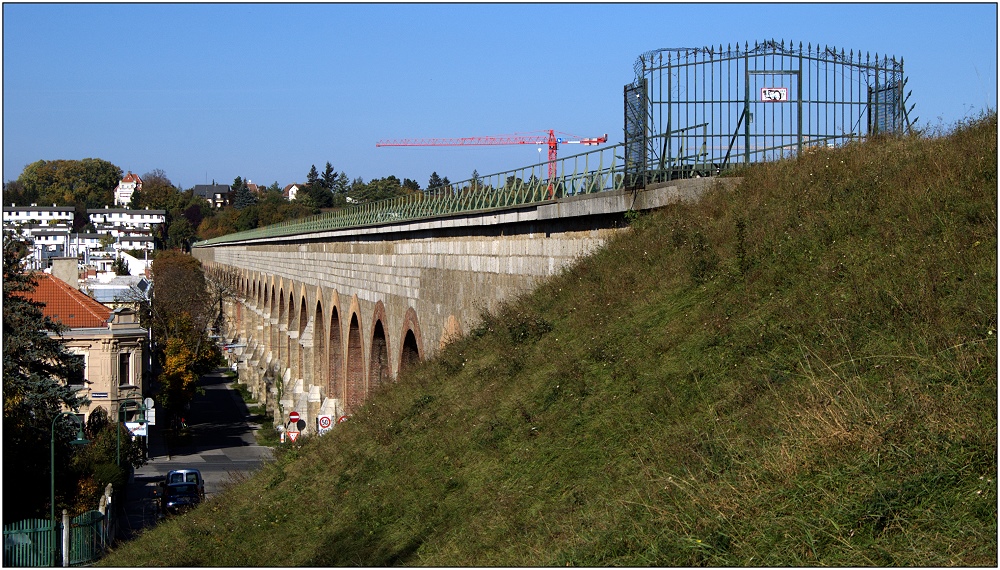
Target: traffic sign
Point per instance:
(293, 417)
(342, 419)
(324, 423)
(293, 435)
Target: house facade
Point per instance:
(110, 344)
(125, 188)
(291, 191)
(218, 195)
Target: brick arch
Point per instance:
(278, 341)
(379, 368)
(411, 342)
(335, 352)
(355, 367)
(301, 321)
(320, 348)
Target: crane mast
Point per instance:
(550, 139)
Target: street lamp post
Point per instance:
(80, 440)
(118, 433)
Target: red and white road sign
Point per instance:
(293, 435)
(325, 422)
(342, 419)
(293, 417)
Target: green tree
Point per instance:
(313, 176)
(89, 182)
(15, 192)
(411, 185)
(434, 181)
(37, 371)
(242, 196)
(342, 185)
(329, 178)
(180, 233)
(157, 192)
(120, 266)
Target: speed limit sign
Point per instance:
(324, 423)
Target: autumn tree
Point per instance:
(183, 312)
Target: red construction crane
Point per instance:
(551, 140)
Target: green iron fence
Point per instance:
(594, 171)
(30, 542)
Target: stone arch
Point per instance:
(411, 343)
(355, 378)
(379, 369)
(335, 352)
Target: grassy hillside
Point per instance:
(802, 371)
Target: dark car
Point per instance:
(179, 497)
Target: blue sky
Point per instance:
(263, 91)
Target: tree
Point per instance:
(37, 371)
(411, 185)
(157, 192)
(120, 266)
(329, 177)
(242, 196)
(434, 181)
(180, 233)
(313, 176)
(342, 185)
(182, 312)
(89, 182)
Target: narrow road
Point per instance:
(222, 446)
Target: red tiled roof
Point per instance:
(67, 305)
(132, 178)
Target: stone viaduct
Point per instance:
(321, 319)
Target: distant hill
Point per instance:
(802, 371)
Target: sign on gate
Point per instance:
(137, 428)
(773, 94)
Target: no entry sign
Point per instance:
(293, 417)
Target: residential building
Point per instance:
(218, 195)
(110, 343)
(122, 221)
(291, 191)
(125, 188)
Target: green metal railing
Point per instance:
(586, 173)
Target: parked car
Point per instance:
(187, 476)
(179, 497)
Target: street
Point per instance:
(221, 446)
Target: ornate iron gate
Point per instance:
(697, 111)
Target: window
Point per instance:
(124, 368)
(78, 375)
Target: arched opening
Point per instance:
(319, 336)
(378, 369)
(300, 349)
(410, 354)
(334, 351)
(282, 351)
(355, 366)
(287, 341)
